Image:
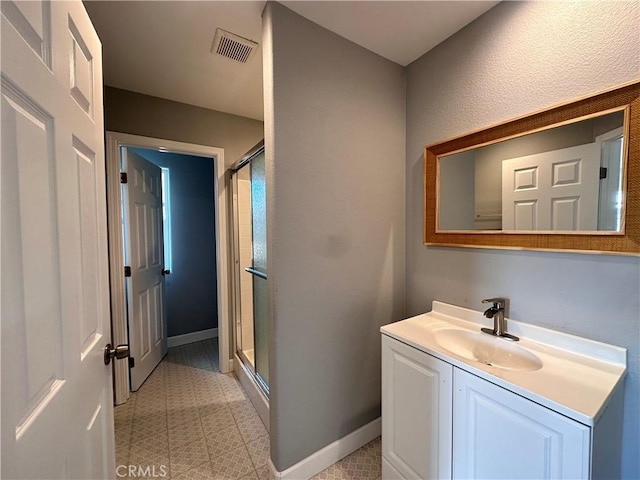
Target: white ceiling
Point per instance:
(400, 31)
(162, 48)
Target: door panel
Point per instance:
(416, 445)
(500, 435)
(32, 22)
(555, 190)
(86, 181)
(57, 413)
(144, 253)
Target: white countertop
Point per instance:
(577, 376)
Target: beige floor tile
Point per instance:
(232, 465)
(153, 385)
(179, 415)
(184, 398)
(374, 448)
(264, 473)
(259, 451)
(212, 424)
(122, 453)
(242, 410)
(146, 405)
(334, 472)
(150, 451)
(148, 424)
(213, 408)
(123, 429)
(227, 380)
(202, 472)
(252, 429)
(194, 421)
(123, 414)
(361, 465)
(207, 397)
(186, 433)
(206, 376)
(188, 456)
(221, 441)
(252, 475)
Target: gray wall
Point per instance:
(518, 58)
(191, 288)
(456, 178)
(335, 125)
(138, 114)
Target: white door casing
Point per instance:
(610, 208)
(115, 142)
(57, 411)
(555, 190)
(144, 255)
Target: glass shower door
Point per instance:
(251, 267)
(259, 266)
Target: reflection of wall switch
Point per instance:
(603, 172)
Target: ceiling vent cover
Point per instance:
(235, 47)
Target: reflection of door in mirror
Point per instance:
(556, 190)
(568, 178)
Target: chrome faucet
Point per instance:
(497, 313)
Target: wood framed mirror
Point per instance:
(565, 178)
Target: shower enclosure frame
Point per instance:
(247, 372)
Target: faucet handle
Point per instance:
(497, 302)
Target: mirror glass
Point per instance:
(567, 178)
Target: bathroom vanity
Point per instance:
(457, 403)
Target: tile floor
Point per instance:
(189, 421)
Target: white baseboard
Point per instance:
(191, 337)
(324, 458)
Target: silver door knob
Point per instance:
(121, 351)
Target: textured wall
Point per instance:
(334, 125)
(191, 289)
(138, 114)
(518, 58)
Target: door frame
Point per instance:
(114, 141)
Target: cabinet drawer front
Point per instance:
(498, 434)
(416, 411)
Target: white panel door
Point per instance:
(555, 190)
(57, 410)
(416, 413)
(144, 254)
(500, 435)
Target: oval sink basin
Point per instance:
(486, 349)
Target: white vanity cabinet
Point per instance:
(499, 434)
(439, 422)
(460, 404)
(416, 413)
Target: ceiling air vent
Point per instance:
(235, 47)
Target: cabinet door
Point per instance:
(416, 412)
(500, 435)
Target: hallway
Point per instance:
(189, 421)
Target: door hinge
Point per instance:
(123, 177)
(127, 271)
(603, 172)
(132, 362)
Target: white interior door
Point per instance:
(57, 410)
(555, 190)
(144, 254)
